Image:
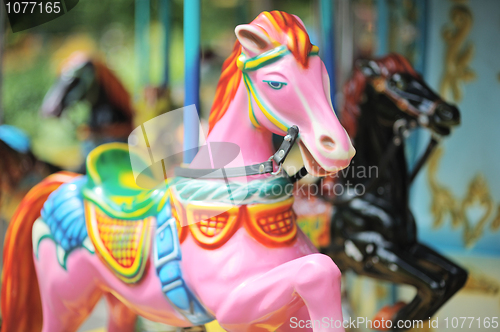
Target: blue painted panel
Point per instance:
(471, 149)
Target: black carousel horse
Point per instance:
(88, 79)
(374, 232)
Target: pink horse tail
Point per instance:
(20, 298)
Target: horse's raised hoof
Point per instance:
(386, 313)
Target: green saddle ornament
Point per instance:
(111, 184)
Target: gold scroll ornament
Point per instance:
(445, 203)
(458, 53)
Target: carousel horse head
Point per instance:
(396, 91)
(287, 84)
(84, 78)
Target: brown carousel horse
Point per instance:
(88, 79)
(82, 78)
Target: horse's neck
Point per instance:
(102, 109)
(371, 142)
(101, 100)
(235, 127)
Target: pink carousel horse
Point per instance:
(156, 253)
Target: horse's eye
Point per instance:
(275, 84)
(397, 82)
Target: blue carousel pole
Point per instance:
(165, 22)
(192, 18)
(142, 13)
(382, 50)
(382, 27)
(422, 26)
(328, 47)
(415, 141)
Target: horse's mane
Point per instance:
(284, 28)
(115, 91)
(354, 89)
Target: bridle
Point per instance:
(292, 132)
(401, 129)
(265, 167)
(379, 83)
(257, 62)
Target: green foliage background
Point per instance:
(29, 69)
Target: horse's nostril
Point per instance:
(327, 142)
(445, 113)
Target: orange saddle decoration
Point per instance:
(123, 245)
(211, 225)
(273, 224)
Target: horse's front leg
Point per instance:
(452, 274)
(265, 302)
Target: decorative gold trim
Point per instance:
(495, 224)
(444, 203)
(458, 55)
(478, 192)
(480, 283)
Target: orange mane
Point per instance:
(354, 89)
(281, 27)
(114, 89)
(116, 92)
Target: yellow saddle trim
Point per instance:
(123, 245)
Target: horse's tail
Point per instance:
(20, 297)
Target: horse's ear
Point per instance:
(253, 39)
(368, 67)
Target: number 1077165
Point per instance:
(33, 7)
(471, 322)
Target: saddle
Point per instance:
(120, 216)
(118, 213)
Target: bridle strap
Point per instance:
(253, 94)
(418, 166)
(250, 64)
(265, 167)
(279, 157)
(380, 85)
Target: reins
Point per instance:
(265, 167)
